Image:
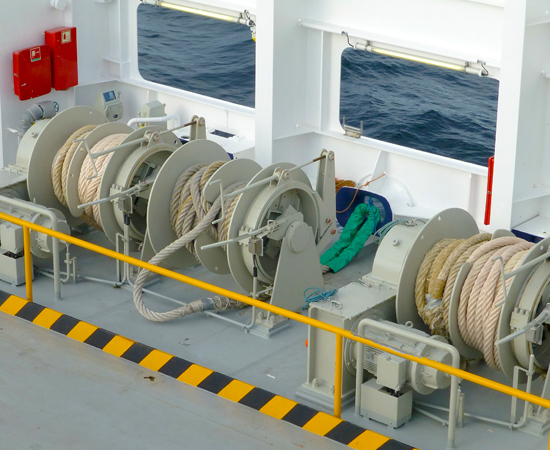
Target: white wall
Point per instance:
(298, 85)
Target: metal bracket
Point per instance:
(90, 155)
(222, 215)
(484, 72)
(272, 225)
(535, 334)
(255, 246)
(506, 276)
(134, 190)
(543, 317)
(352, 131)
(198, 128)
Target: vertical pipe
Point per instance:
(56, 266)
(513, 408)
(126, 246)
(118, 263)
(460, 420)
(453, 409)
(338, 377)
(359, 349)
(28, 262)
(489, 198)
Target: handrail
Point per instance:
(339, 332)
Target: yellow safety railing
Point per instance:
(339, 333)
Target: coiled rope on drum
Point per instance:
(191, 215)
(62, 160)
(88, 181)
(88, 184)
(189, 206)
(478, 313)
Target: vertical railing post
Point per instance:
(338, 376)
(28, 261)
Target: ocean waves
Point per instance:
(424, 107)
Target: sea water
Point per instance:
(424, 107)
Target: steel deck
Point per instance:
(77, 370)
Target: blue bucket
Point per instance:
(345, 196)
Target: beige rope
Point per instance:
(490, 350)
(445, 272)
(471, 290)
(434, 314)
(88, 182)
(62, 160)
(486, 302)
(453, 274)
(438, 279)
(190, 216)
(423, 279)
(188, 206)
(478, 315)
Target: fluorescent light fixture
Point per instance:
(419, 59)
(200, 12)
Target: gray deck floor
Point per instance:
(56, 393)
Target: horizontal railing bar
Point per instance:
(282, 312)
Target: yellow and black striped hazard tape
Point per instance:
(229, 388)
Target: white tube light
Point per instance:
(419, 59)
(199, 12)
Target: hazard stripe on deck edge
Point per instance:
(229, 388)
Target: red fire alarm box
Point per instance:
(32, 72)
(62, 42)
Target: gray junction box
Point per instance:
(366, 297)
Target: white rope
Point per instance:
(478, 314)
(89, 182)
(62, 160)
(188, 206)
(217, 303)
(190, 216)
(88, 189)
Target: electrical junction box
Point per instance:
(391, 371)
(390, 408)
(109, 102)
(367, 297)
(32, 72)
(153, 109)
(62, 43)
(12, 268)
(11, 237)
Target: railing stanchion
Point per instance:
(28, 261)
(338, 376)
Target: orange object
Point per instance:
(357, 190)
(307, 343)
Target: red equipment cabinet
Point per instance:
(32, 73)
(62, 42)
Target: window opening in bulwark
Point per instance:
(197, 54)
(419, 106)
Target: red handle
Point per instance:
(489, 191)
